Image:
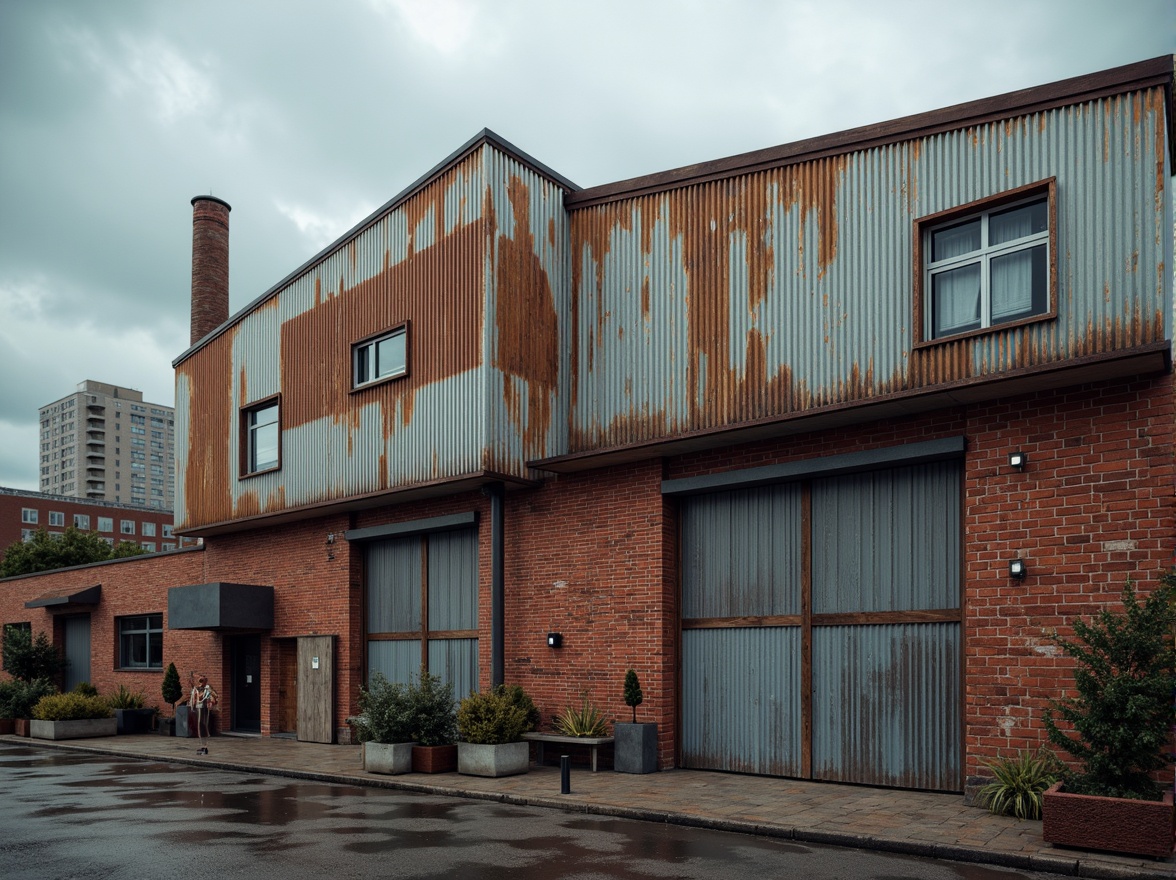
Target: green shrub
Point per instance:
(585, 721)
(85, 689)
(433, 710)
(492, 718)
(1019, 782)
(17, 698)
(28, 657)
(125, 699)
(70, 707)
(522, 699)
(633, 696)
(385, 712)
(172, 690)
(1125, 674)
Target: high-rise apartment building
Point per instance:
(104, 443)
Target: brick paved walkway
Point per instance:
(919, 823)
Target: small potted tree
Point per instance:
(34, 664)
(385, 726)
(17, 699)
(130, 716)
(635, 746)
(434, 713)
(1117, 727)
(490, 726)
(171, 692)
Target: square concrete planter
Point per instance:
(74, 729)
(185, 719)
(388, 758)
(434, 759)
(635, 747)
(134, 720)
(1142, 828)
(507, 759)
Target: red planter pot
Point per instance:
(7, 725)
(434, 759)
(1142, 828)
(20, 726)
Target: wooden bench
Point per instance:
(593, 742)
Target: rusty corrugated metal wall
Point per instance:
(772, 292)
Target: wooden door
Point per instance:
(316, 689)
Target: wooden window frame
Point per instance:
(245, 436)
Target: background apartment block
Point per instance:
(104, 443)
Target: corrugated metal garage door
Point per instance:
(821, 628)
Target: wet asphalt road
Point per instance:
(84, 816)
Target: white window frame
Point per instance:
(106, 524)
(148, 530)
(366, 366)
(57, 518)
(29, 515)
(81, 521)
(982, 211)
(126, 527)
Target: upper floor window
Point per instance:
(127, 526)
(988, 264)
(261, 430)
(148, 530)
(105, 524)
(380, 357)
(28, 515)
(81, 521)
(56, 518)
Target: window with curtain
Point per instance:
(987, 268)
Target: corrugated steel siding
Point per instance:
(886, 705)
(777, 291)
(527, 300)
(741, 700)
(887, 540)
(741, 553)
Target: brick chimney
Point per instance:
(210, 265)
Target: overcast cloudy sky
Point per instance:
(306, 116)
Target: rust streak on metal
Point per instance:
(528, 328)
(210, 468)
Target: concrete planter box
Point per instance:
(507, 759)
(434, 759)
(166, 726)
(635, 747)
(1142, 828)
(134, 720)
(74, 729)
(185, 719)
(387, 758)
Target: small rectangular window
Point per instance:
(105, 524)
(148, 530)
(380, 357)
(261, 435)
(127, 527)
(140, 642)
(149, 546)
(28, 515)
(169, 531)
(56, 518)
(81, 521)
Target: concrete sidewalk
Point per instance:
(912, 822)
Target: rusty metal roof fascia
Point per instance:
(1140, 75)
(1154, 358)
(485, 136)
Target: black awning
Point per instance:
(68, 599)
(220, 606)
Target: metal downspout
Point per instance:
(497, 588)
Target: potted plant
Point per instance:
(635, 748)
(586, 721)
(129, 713)
(385, 726)
(1117, 727)
(33, 663)
(490, 726)
(72, 716)
(171, 692)
(434, 713)
(1019, 783)
(17, 699)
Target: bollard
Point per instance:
(565, 774)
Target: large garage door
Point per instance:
(821, 628)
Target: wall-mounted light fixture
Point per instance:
(1018, 460)
(555, 640)
(330, 545)
(1017, 569)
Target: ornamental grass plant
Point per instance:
(1019, 782)
(586, 720)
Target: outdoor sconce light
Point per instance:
(1017, 569)
(330, 545)
(1017, 460)
(555, 640)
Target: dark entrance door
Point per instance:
(76, 633)
(247, 683)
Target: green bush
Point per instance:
(171, 690)
(492, 718)
(1018, 784)
(522, 699)
(85, 689)
(433, 710)
(585, 721)
(70, 707)
(29, 658)
(385, 712)
(1125, 675)
(17, 698)
(125, 699)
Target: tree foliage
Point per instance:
(1117, 725)
(28, 658)
(633, 695)
(171, 690)
(72, 547)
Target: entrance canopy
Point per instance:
(68, 599)
(221, 606)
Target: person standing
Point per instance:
(202, 701)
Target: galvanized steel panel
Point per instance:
(397, 660)
(393, 586)
(886, 705)
(887, 540)
(456, 661)
(774, 292)
(453, 581)
(741, 700)
(741, 553)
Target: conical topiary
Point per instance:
(171, 690)
(633, 695)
